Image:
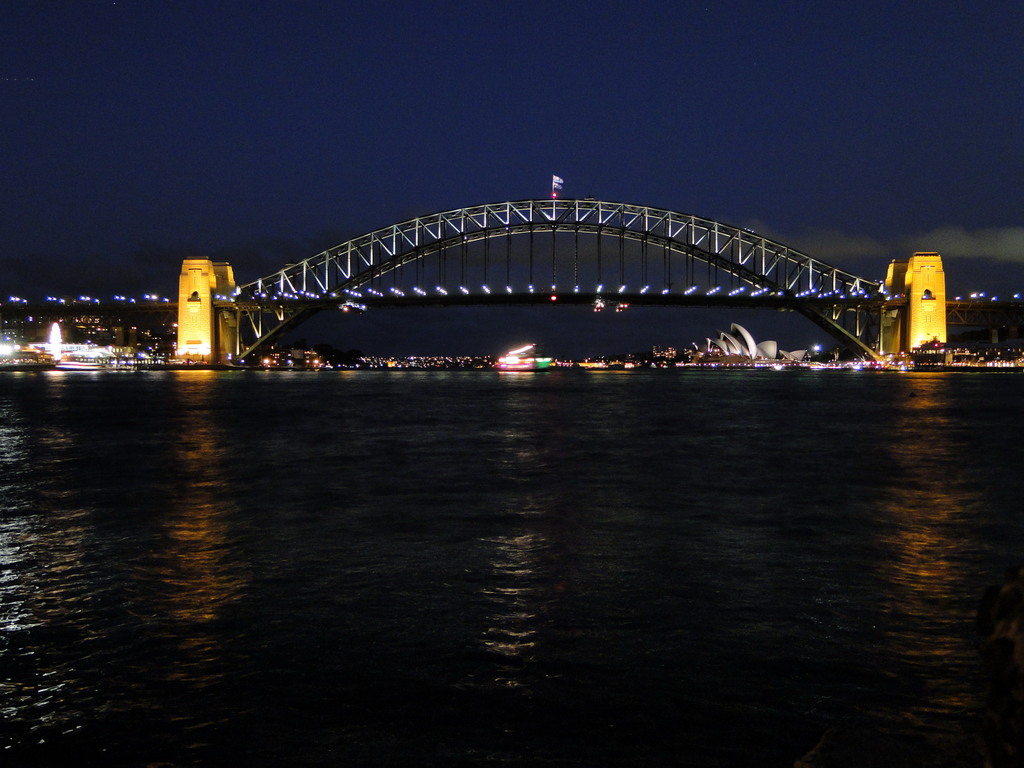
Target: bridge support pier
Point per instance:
(207, 333)
(922, 281)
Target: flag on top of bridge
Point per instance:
(556, 185)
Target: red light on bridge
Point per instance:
(553, 297)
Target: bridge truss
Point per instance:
(572, 251)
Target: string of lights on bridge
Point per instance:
(148, 297)
(555, 291)
(440, 292)
(599, 290)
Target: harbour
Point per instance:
(422, 570)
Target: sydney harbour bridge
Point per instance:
(563, 252)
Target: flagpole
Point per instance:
(556, 184)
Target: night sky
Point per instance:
(137, 132)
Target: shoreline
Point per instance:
(573, 366)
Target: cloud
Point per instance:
(998, 243)
(987, 249)
(829, 245)
(835, 247)
(982, 259)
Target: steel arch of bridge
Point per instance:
(661, 255)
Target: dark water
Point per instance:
(472, 568)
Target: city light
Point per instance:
(288, 287)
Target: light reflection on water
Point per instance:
(49, 580)
(514, 584)
(197, 580)
(367, 563)
(512, 632)
(926, 504)
(14, 531)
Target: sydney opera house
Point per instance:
(739, 346)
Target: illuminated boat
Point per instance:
(86, 360)
(523, 359)
(81, 365)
